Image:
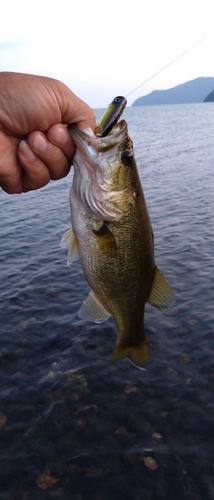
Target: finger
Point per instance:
(59, 136)
(35, 173)
(50, 154)
(73, 109)
(83, 116)
(10, 168)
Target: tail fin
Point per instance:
(137, 353)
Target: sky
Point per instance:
(103, 49)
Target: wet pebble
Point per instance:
(137, 423)
(131, 388)
(164, 414)
(37, 495)
(58, 409)
(100, 425)
(87, 410)
(46, 480)
(53, 428)
(93, 472)
(61, 494)
(57, 467)
(47, 450)
(79, 425)
(74, 470)
(156, 435)
(66, 443)
(32, 431)
(3, 420)
(150, 463)
(122, 431)
(6, 472)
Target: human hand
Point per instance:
(35, 145)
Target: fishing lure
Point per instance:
(111, 116)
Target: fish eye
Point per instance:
(127, 157)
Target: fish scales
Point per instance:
(112, 234)
(120, 278)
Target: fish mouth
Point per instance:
(108, 125)
(96, 164)
(92, 141)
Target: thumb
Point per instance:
(73, 109)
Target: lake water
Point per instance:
(72, 426)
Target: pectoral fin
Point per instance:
(105, 240)
(69, 240)
(161, 295)
(92, 310)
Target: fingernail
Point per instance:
(26, 151)
(61, 135)
(39, 143)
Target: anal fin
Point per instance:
(161, 295)
(92, 310)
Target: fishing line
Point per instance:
(183, 53)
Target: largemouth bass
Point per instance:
(112, 235)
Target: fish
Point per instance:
(112, 235)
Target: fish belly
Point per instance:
(120, 275)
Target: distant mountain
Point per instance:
(192, 91)
(210, 97)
